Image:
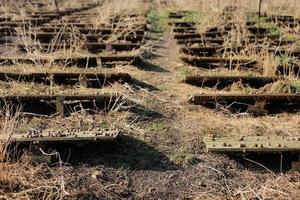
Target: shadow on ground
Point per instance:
(148, 66)
(142, 111)
(138, 85)
(126, 152)
(272, 161)
(151, 55)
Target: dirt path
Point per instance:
(170, 79)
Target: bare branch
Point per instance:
(56, 5)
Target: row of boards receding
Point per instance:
(208, 52)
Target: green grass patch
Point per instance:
(157, 127)
(272, 28)
(184, 72)
(158, 21)
(285, 60)
(296, 87)
(293, 87)
(193, 16)
(162, 88)
(256, 19)
(104, 125)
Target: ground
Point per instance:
(162, 157)
(161, 154)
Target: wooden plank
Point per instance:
(92, 47)
(221, 82)
(101, 31)
(220, 41)
(203, 61)
(49, 104)
(187, 36)
(66, 97)
(182, 24)
(62, 136)
(256, 104)
(184, 30)
(127, 37)
(209, 50)
(91, 80)
(213, 98)
(84, 61)
(252, 144)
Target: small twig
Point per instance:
(61, 177)
(261, 165)
(259, 12)
(225, 180)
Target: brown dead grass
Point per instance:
(9, 121)
(179, 130)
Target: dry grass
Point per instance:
(289, 7)
(178, 131)
(123, 25)
(238, 37)
(116, 8)
(206, 180)
(227, 124)
(9, 120)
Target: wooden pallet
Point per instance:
(62, 136)
(220, 82)
(206, 62)
(257, 104)
(84, 61)
(84, 79)
(57, 103)
(256, 144)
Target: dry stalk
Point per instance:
(9, 121)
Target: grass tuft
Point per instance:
(157, 127)
(184, 159)
(193, 16)
(158, 21)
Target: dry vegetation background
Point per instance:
(161, 155)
